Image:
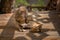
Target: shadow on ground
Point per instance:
(55, 19)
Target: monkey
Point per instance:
(20, 16)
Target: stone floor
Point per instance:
(50, 28)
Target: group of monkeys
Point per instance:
(25, 19)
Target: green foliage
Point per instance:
(39, 3)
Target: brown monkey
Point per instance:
(21, 16)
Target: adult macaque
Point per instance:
(21, 16)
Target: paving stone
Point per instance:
(49, 31)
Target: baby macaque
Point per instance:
(35, 27)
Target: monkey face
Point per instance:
(22, 8)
